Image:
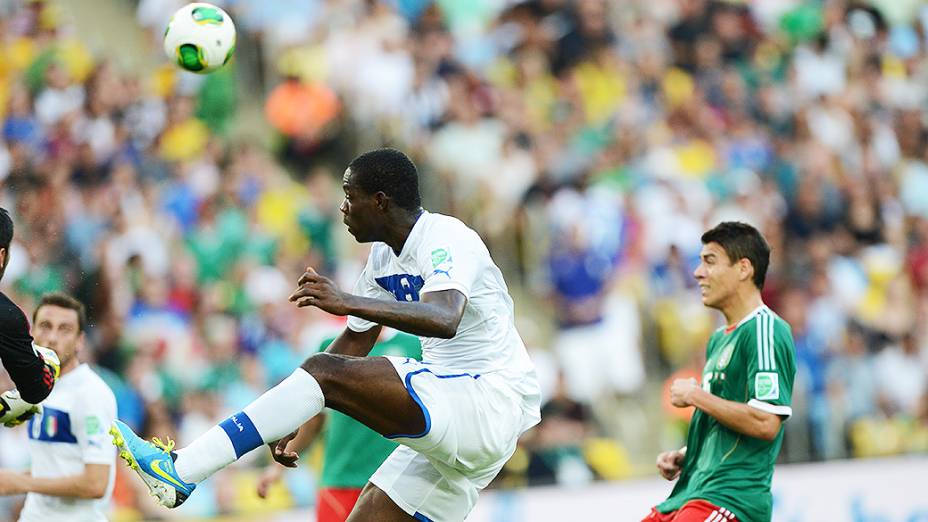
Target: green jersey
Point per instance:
(352, 451)
(753, 364)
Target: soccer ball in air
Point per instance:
(200, 37)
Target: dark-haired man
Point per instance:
(72, 470)
(457, 414)
(735, 435)
(33, 369)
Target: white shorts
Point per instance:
(472, 423)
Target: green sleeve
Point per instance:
(772, 367)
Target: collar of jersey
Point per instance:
(751, 315)
(746, 319)
(68, 377)
(412, 233)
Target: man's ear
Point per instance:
(746, 269)
(381, 200)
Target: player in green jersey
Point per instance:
(735, 435)
(352, 450)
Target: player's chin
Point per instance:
(359, 236)
(352, 230)
(354, 234)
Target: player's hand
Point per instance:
(14, 410)
(681, 392)
(267, 479)
(670, 463)
(281, 454)
(321, 292)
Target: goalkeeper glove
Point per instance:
(14, 410)
(50, 358)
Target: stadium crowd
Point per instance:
(589, 144)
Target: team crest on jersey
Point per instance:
(725, 356)
(51, 426)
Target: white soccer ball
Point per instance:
(200, 38)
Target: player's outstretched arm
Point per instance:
(87, 485)
(437, 314)
(736, 416)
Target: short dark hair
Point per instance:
(6, 230)
(63, 300)
(742, 241)
(391, 172)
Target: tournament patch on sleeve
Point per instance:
(766, 386)
(439, 256)
(93, 428)
(92, 425)
(441, 261)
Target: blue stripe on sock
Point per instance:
(242, 433)
(420, 516)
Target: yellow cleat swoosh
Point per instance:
(156, 467)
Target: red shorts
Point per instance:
(335, 504)
(693, 511)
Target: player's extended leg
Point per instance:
(366, 388)
(374, 504)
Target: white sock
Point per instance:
(278, 412)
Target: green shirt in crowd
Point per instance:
(352, 451)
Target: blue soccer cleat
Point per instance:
(154, 462)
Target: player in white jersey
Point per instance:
(457, 414)
(73, 469)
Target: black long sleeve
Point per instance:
(32, 378)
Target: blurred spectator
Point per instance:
(812, 359)
(556, 444)
(900, 376)
(852, 390)
(301, 111)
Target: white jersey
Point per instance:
(71, 432)
(442, 253)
